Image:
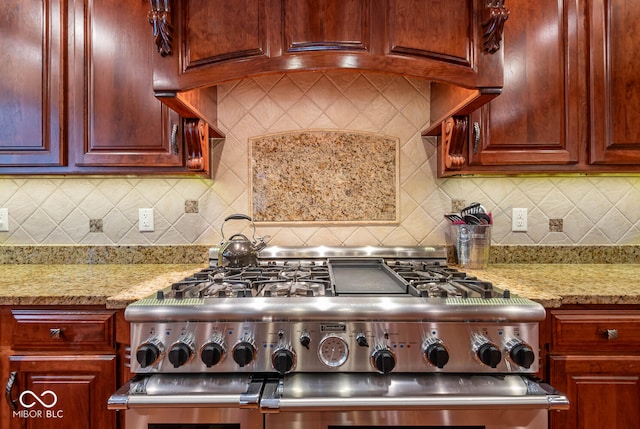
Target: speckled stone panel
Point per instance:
(324, 176)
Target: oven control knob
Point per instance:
(283, 360)
(243, 353)
(384, 360)
(148, 354)
(437, 354)
(489, 354)
(361, 339)
(305, 340)
(212, 353)
(522, 355)
(179, 354)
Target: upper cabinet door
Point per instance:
(118, 122)
(536, 120)
(326, 25)
(614, 84)
(219, 40)
(32, 82)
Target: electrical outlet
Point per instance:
(519, 220)
(145, 220)
(4, 219)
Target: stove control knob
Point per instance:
(436, 354)
(489, 354)
(148, 353)
(305, 340)
(180, 353)
(283, 360)
(383, 360)
(212, 353)
(361, 339)
(522, 354)
(244, 352)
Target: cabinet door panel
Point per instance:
(536, 119)
(79, 385)
(32, 51)
(614, 48)
(432, 29)
(119, 120)
(316, 25)
(221, 30)
(604, 391)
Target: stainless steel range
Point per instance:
(379, 336)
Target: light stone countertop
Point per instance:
(554, 285)
(117, 285)
(112, 285)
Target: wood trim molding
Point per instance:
(493, 25)
(160, 18)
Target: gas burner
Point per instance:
(226, 289)
(294, 288)
(295, 274)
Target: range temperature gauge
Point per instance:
(333, 351)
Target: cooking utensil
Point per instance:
(485, 218)
(472, 209)
(239, 251)
(472, 220)
(454, 218)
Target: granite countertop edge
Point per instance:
(117, 285)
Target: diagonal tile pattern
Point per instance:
(44, 210)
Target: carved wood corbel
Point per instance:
(454, 136)
(493, 25)
(160, 18)
(196, 139)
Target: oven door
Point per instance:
(190, 401)
(423, 401)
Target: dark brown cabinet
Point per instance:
(614, 82)
(570, 97)
(33, 83)
(116, 120)
(76, 79)
(446, 42)
(62, 365)
(594, 358)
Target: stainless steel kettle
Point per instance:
(238, 251)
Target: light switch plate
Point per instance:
(145, 220)
(4, 220)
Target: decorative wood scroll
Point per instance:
(195, 136)
(454, 136)
(159, 17)
(493, 25)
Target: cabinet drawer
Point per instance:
(589, 331)
(63, 330)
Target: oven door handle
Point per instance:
(124, 399)
(273, 402)
(552, 402)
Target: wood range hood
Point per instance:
(456, 45)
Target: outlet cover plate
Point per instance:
(4, 220)
(519, 220)
(145, 220)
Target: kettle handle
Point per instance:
(238, 216)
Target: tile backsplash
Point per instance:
(585, 210)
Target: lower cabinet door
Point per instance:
(604, 391)
(71, 392)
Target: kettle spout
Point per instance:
(261, 243)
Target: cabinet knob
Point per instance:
(611, 334)
(55, 333)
